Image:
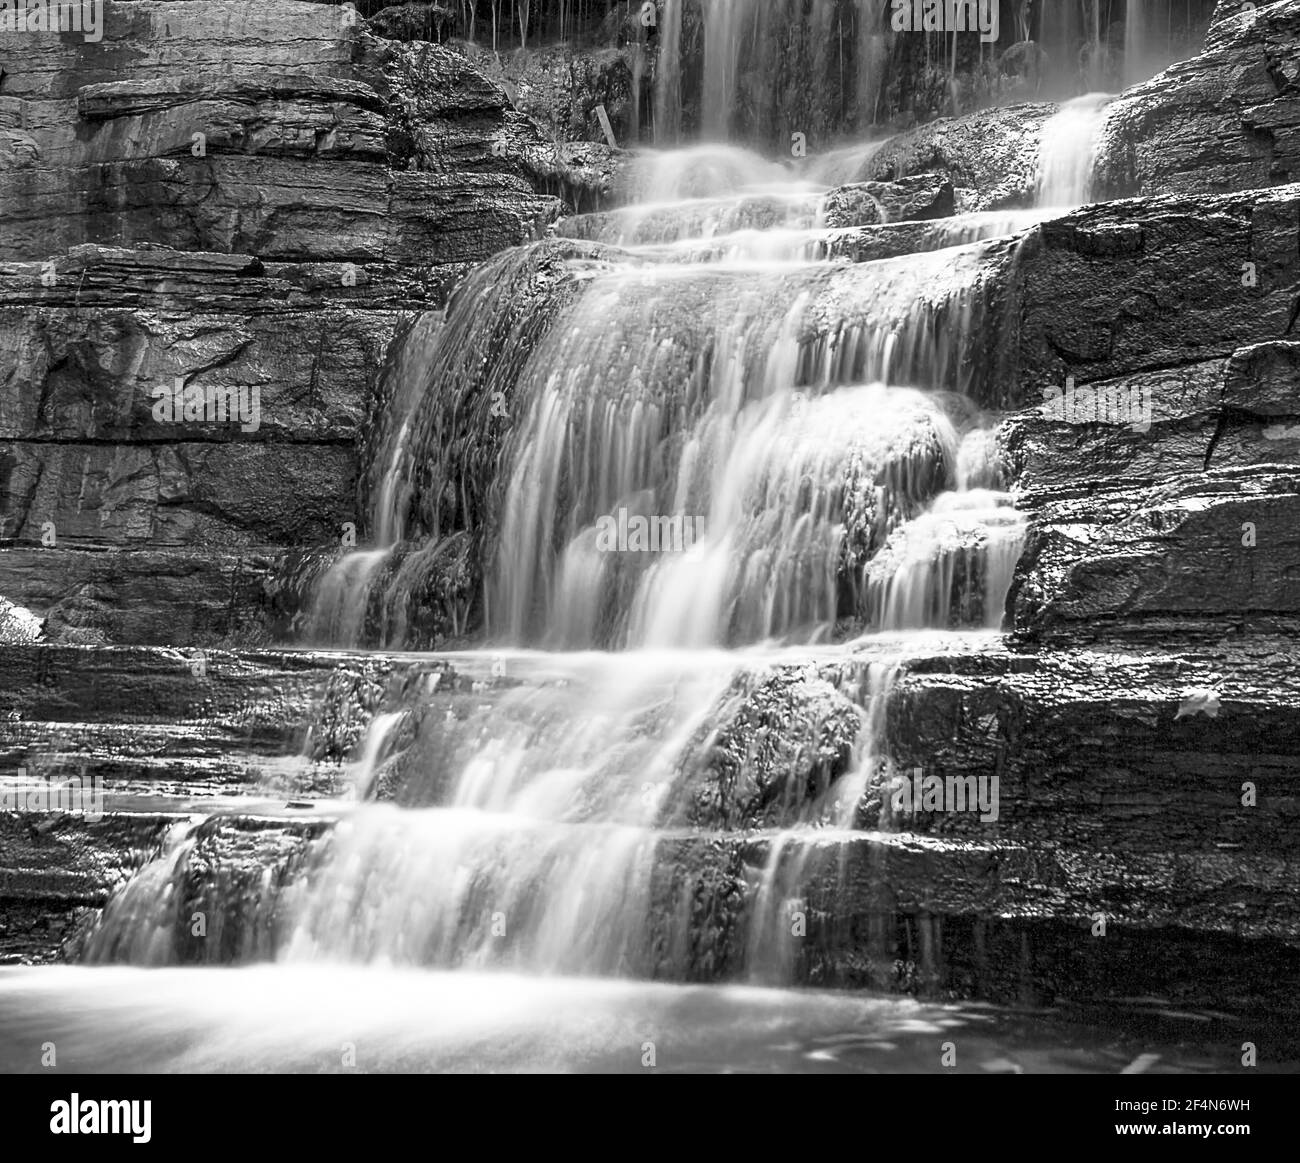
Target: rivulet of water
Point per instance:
(1069, 150)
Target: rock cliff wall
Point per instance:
(239, 201)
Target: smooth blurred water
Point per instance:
(1069, 151)
(335, 1019)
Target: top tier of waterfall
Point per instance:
(760, 71)
(696, 420)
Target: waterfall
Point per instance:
(953, 564)
(715, 487)
(873, 52)
(1058, 33)
(795, 853)
(1159, 32)
(636, 422)
(362, 782)
(724, 22)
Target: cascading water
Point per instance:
(738, 67)
(668, 77)
(1135, 17)
(827, 69)
(722, 33)
(660, 805)
(760, 71)
(1159, 32)
(1069, 150)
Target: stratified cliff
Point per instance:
(223, 197)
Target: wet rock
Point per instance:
(152, 195)
(914, 199)
(1261, 380)
(1185, 555)
(1110, 801)
(1170, 527)
(862, 204)
(589, 176)
(939, 570)
(1225, 120)
(54, 869)
(705, 217)
(778, 744)
(213, 895)
(1172, 513)
(346, 709)
(499, 317)
(990, 157)
(1103, 296)
(267, 129)
(1128, 287)
(427, 596)
(699, 890)
(560, 87)
(183, 722)
(198, 597)
(895, 239)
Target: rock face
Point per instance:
(273, 129)
(989, 157)
(238, 202)
(1161, 479)
(1225, 120)
(906, 200)
(561, 89)
(17, 625)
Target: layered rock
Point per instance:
(1120, 797)
(105, 752)
(1160, 480)
(915, 199)
(1228, 119)
(235, 202)
(281, 130)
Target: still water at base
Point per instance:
(327, 1019)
